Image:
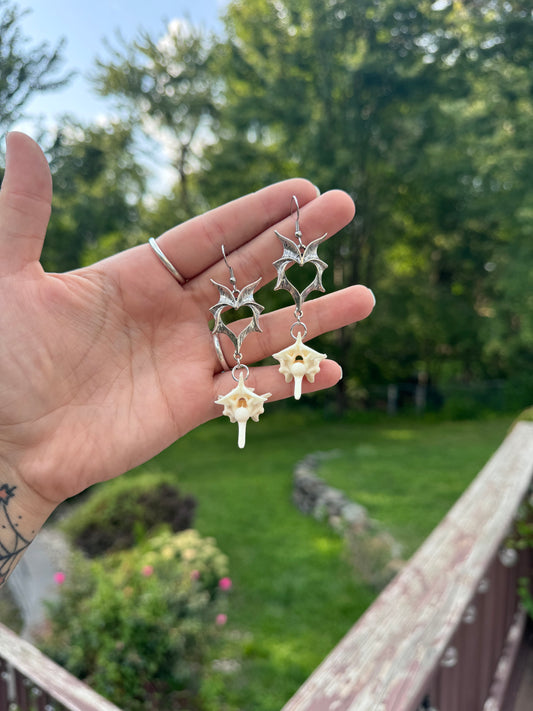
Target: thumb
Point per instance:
(25, 203)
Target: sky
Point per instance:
(84, 25)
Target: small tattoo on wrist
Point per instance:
(12, 542)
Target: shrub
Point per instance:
(121, 512)
(374, 554)
(136, 625)
(525, 416)
(521, 538)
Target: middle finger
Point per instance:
(321, 315)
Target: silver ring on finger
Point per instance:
(220, 354)
(165, 261)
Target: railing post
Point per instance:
(21, 688)
(4, 684)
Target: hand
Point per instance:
(103, 367)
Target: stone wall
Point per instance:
(312, 496)
(373, 552)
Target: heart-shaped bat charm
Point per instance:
(235, 299)
(299, 254)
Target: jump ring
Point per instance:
(239, 366)
(220, 354)
(298, 323)
(166, 261)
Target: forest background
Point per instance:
(422, 111)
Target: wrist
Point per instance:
(22, 514)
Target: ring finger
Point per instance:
(323, 314)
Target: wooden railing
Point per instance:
(29, 681)
(444, 634)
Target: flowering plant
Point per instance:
(135, 625)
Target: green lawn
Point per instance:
(294, 595)
(409, 474)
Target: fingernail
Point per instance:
(6, 139)
(342, 374)
(8, 149)
(373, 296)
(317, 190)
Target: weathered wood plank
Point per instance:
(48, 676)
(385, 662)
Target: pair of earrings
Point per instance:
(297, 360)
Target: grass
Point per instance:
(408, 475)
(294, 594)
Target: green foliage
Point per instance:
(524, 526)
(294, 594)
(166, 86)
(136, 625)
(122, 512)
(98, 185)
(526, 416)
(24, 69)
(422, 111)
(10, 613)
(526, 595)
(405, 106)
(522, 539)
(374, 554)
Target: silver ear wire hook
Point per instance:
(232, 279)
(297, 231)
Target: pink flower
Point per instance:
(221, 619)
(195, 575)
(225, 583)
(59, 578)
(147, 570)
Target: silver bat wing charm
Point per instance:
(235, 299)
(299, 254)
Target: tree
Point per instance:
(98, 186)
(391, 101)
(503, 161)
(24, 70)
(344, 91)
(166, 86)
(421, 111)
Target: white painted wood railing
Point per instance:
(30, 681)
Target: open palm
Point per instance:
(103, 367)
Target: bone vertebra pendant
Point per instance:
(240, 405)
(297, 361)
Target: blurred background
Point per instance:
(150, 113)
(422, 111)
